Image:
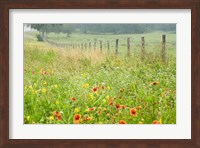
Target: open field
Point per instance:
(69, 86)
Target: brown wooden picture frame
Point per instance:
(6, 5)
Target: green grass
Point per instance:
(54, 75)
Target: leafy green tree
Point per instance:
(42, 28)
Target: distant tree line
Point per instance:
(44, 29)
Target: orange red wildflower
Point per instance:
(156, 122)
(117, 106)
(73, 99)
(154, 83)
(77, 118)
(122, 122)
(57, 115)
(95, 89)
(133, 112)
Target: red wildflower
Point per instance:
(156, 122)
(122, 122)
(57, 115)
(117, 106)
(33, 72)
(102, 87)
(111, 103)
(87, 118)
(95, 89)
(133, 112)
(99, 112)
(73, 99)
(44, 72)
(110, 99)
(154, 83)
(123, 106)
(77, 118)
(91, 109)
(122, 89)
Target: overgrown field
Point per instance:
(73, 86)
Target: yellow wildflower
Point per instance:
(76, 110)
(56, 86)
(31, 87)
(51, 117)
(91, 95)
(35, 92)
(160, 120)
(44, 90)
(85, 85)
(108, 87)
(44, 83)
(107, 97)
(140, 122)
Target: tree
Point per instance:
(68, 29)
(42, 28)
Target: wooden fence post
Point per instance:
(116, 46)
(143, 49)
(82, 46)
(101, 45)
(128, 46)
(90, 45)
(163, 51)
(85, 46)
(94, 44)
(108, 44)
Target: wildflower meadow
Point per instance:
(79, 79)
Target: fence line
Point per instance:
(107, 45)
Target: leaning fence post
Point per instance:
(142, 49)
(101, 45)
(128, 46)
(82, 46)
(116, 46)
(163, 51)
(108, 47)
